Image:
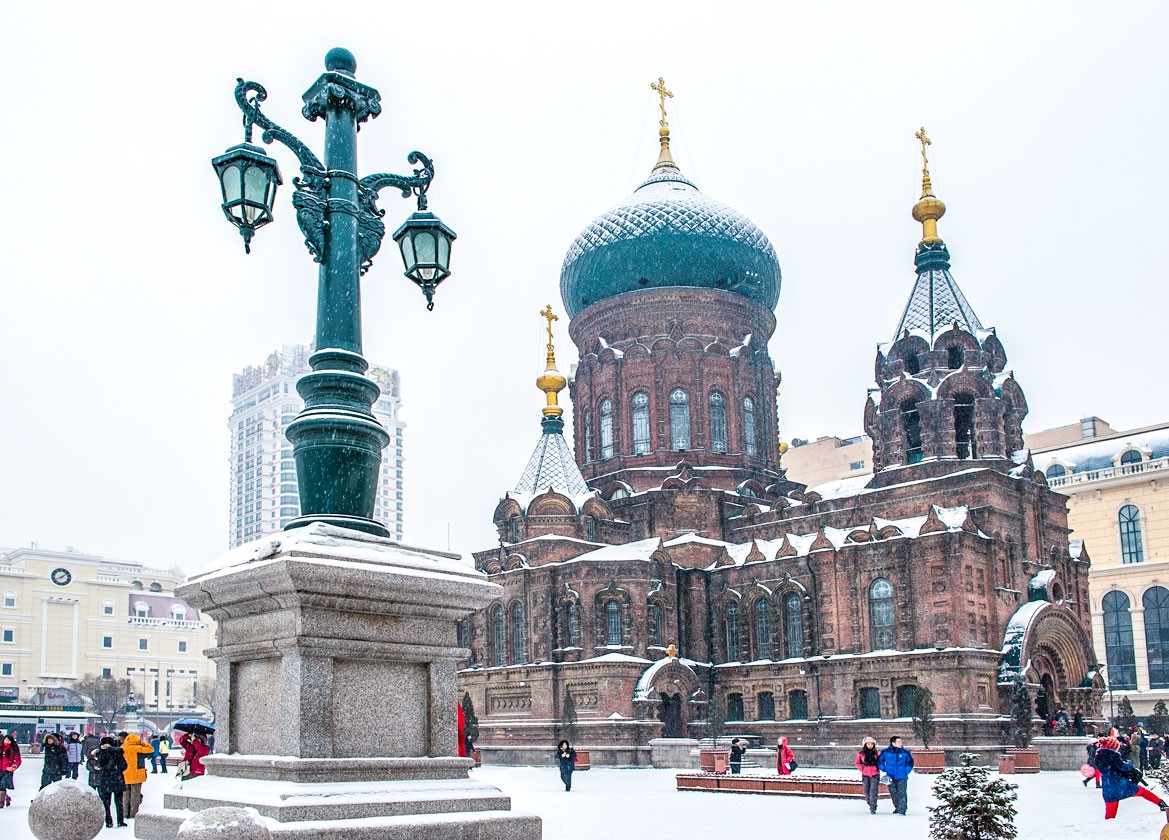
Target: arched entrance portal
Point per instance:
(670, 691)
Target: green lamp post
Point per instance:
(337, 441)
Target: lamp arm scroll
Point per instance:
(253, 117)
(418, 183)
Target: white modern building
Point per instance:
(263, 472)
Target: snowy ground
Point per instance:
(619, 804)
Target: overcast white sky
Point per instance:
(128, 302)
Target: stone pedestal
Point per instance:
(674, 753)
(336, 692)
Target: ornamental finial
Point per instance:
(551, 383)
(672, 651)
(664, 157)
(928, 209)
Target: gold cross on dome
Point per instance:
(550, 316)
(660, 87)
(925, 141)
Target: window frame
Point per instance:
(639, 423)
(681, 438)
(1132, 544)
(1119, 642)
(882, 632)
(717, 412)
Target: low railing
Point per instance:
(1155, 465)
(139, 621)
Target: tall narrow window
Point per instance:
(964, 434)
(517, 633)
(640, 404)
(464, 628)
(870, 703)
(1156, 604)
(588, 436)
(612, 623)
(1118, 643)
(762, 629)
(954, 357)
(764, 706)
(1131, 549)
(911, 423)
(881, 615)
(606, 412)
(749, 445)
(794, 619)
(731, 632)
(498, 637)
(718, 422)
(797, 704)
(734, 706)
(679, 419)
(653, 621)
(570, 625)
(906, 700)
(912, 365)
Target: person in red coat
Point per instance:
(784, 759)
(9, 761)
(194, 748)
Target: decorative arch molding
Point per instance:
(956, 336)
(965, 382)
(551, 503)
(904, 391)
(506, 509)
(1051, 632)
(515, 561)
(596, 508)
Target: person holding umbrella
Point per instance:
(194, 744)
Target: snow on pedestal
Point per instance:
(336, 691)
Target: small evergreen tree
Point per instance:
(1020, 713)
(1159, 720)
(470, 721)
(924, 726)
(568, 728)
(716, 717)
(971, 805)
(1125, 719)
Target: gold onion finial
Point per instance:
(928, 209)
(664, 157)
(551, 383)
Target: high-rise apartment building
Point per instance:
(264, 402)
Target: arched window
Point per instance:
(513, 529)
(764, 706)
(613, 623)
(731, 631)
(156, 587)
(911, 423)
(718, 422)
(954, 357)
(142, 610)
(679, 419)
(570, 625)
(588, 436)
(1131, 549)
(749, 445)
(1130, 457)
(1056, 471)
(517, 633)
(906, 700)
(640, 423)
(606, 412)
(762, 629)
(653, 622)
(881, 615)
(794, 619)
(178, 612)
(1118, 643)
(498, 637)
(136, 585)
(797, 704)
(1156, 604)
(964, 435)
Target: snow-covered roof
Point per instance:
(935, 304)
(640, 550)
(641, 690)
(1098, 454)
(1014, 636)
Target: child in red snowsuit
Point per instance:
(1121, 780)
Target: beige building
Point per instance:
(827, 459)
(1118, 504)
(65, 614)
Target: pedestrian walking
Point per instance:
(1078, 724)
(110, 761)
(56, 760)
(75, 753)
(9, 761)
(785, 759)
(1156, 748)
(163, 753)
(1121, 778)
(1141, 741)
(194, 748)
(897, 763)
(156, 745)
(566, 757)
(867, 761)
(136, 755)
(88, 744)
(736, 756)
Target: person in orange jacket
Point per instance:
(136, 754)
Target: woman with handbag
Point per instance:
(9, 761)
(194, 748)
(866, 761)
(785, 760)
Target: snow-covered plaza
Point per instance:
(619, 804)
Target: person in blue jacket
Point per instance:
(897, 763)
(1120, 779)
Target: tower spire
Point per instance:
(551, 382)
(664, 157)
(928, 208)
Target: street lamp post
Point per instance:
(336, 440)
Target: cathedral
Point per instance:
(661, 560)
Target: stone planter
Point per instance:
(929, 761)
(1026, 760)
(582, 760)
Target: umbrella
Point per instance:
(195, 726)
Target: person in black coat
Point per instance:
(56, 761)
(566, 757)
(737, 751)
(111, 781)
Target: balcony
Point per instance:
(1153, 466)
(166, 623)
